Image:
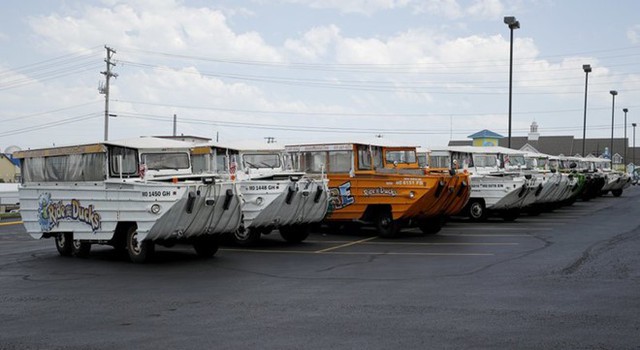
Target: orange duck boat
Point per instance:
(374, 183)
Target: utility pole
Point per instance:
(104, 89)
(175, 124)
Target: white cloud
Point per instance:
(164, 26)
(486, 9)
(445, 8)
(353, 6)
(314, 43)
(633, 34)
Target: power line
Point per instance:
(329, 129)
(315, 83)
(47, 112)
(55, 61)
(347, 114)
(48, 125)
(328, 66)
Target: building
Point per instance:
(557, 145)
(9, 169)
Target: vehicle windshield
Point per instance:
(514, 160)
(485, 160)
(257, 161)
(323, 161)
(402, 157)
(163, 161)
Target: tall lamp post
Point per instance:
(587, 69)
(613, 112)
(634, 144)
(626, 143)
(513, 24)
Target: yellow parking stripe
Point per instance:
(346, 245)
(10, 223)
(351, 253)
(417, 243)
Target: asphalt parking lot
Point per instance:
(565, 279)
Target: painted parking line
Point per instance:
(350, 253)
(484, 235)
(418, 243)
(10, 223)
(496, 228)
(443, 243)
(546, 221)
(397, 243)
(346, 245)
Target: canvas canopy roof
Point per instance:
(136, 143)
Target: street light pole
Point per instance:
(513, 24)
(634, 144)
(626, 142)
(613, 104)
(587, 69)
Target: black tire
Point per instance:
(64, 243)
(510, 215)
(206, 247)
(81, 249)
(139, 251)
(246, 236)
(386, 226)
(617, 193)
(431, 226)
(266, 230)
(294, 233)
(476, 210)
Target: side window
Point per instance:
(377, 154)
(339, 161)
(364, 158)
(125, 157)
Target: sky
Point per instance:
(420, 72)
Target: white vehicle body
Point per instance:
(553, 185)
(272, 196)
(9, 195)
(96, 191)
(496, 179)
(614, 181)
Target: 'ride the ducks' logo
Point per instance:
(51, 213)
(340, 197)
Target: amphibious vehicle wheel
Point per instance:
(510, 215)
(294, 233)
(616, 193)
(81, 249)
(431, 226)
(139, 251)
(64, 243)
(386, 226)
(246, 236)
(477, 210)
(206, 247)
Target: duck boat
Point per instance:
(272, 196)
(131, 194)
(379, 183)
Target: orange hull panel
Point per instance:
(433, 195)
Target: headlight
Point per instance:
(155, 209)
(259, 201)
(412, 194)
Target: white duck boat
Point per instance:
(273, 197)
(553, 187)
(494, 187)
(131, 194)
